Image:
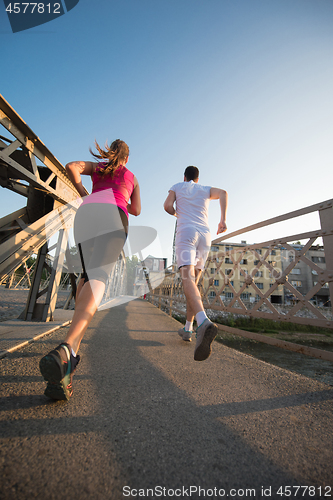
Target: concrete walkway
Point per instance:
(144, 416)
(15, 334)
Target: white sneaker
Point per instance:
(206, 333)
(185, 335)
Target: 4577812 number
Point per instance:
(33, 8)
(301, 491)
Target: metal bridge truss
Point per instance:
(116, 284)
(51, 204)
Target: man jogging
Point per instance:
(193, 243)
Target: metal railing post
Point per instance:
(326, 221)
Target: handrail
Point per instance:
(290, 215)
(237, 279)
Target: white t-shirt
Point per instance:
(192, 201)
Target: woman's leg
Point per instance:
(89, 297)
(79, 288)
(98, 256)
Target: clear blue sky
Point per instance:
(240, 88)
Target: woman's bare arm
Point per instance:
(75, 169)
(134, 208)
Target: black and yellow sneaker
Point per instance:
(57, 368)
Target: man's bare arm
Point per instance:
(169, 202)
(222, 196)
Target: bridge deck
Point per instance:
(145, 415)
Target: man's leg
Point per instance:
(206, 331)
(186, 332)
(192, 294)
(189, 312)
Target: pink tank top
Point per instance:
(115, 190)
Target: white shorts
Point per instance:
(192, 246)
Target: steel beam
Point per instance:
(48, 191)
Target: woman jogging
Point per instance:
(100, 231)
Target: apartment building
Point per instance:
(306, 273)
(154, 269)
(232, 267)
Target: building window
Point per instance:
(318, 260)
(229, 295)
(212, 294)
(314, 272)
(325, 285)
(256, 262)
(243, 261)
(296, 284)
(214, 249)
(273, 252)
(259, 274)
(295, 271)
(212, 270)
(227, 249)
(228, 261)
(245, 296)
(260, 285)
(228, 271)
(216, 282)
(259, 251)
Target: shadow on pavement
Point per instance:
(129, 425)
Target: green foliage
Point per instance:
(131, 264)
(262, 325)
(73, 250)
(29, 262)
(231, 320)
(181, 319)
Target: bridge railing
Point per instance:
(262, 280)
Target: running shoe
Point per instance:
(205, 335)
(57, 368)
(185, 335)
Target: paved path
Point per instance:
(15, 334)
(145, 416)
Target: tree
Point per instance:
(131, 264)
